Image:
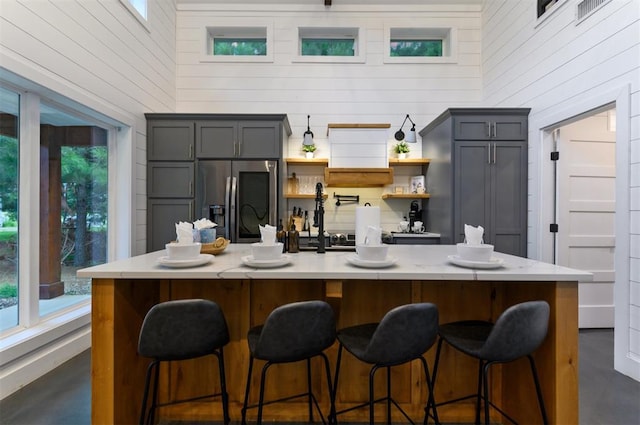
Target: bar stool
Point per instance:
(180, 330)
(404, 334)
(517, 333)
(292, 332)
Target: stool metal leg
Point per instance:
(534, 372)
(263, 378)
(479, 392)
(335, 387)
(372, 374)
(223, 388)
(143, 411)
(154, 400)
(310, 396)
(246, 392)
(388, 395)
(487, 398)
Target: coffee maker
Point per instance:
(415, 214)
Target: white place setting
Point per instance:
(268, 253)
(473, 253)
(372, 253)
(182, 255)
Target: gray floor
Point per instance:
(63, 396)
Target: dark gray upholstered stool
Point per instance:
(517, 333)
(292, 332)
(180, 330)
(404, 334)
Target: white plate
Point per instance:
(371, 264)
(198, 261)
(265, 264)
(493, 263)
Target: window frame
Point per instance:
(548, 13)
(231, 30)
(448, 36)
(358, 34)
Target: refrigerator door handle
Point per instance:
(227, 211)
(233, 214)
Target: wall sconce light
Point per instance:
(308, 135)
(411, 137)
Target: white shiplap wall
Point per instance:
(551, 66)
(96, 53)
(368, 92)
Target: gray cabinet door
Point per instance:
(162, 214)
(490, 127)
(170, 140)
(216, 139)
(509, 197)
(259, 139)
(472, 188)
(238, 139)
(170, 179)
(490, 186)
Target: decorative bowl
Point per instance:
(216, 247)
(263, 252)
(183, 251)
(475, 252)
(372, 252)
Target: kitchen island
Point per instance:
(123, 291)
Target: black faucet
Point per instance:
(318, 217)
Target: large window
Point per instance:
(71, 184)
(9, 125)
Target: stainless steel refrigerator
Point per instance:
(238, 196)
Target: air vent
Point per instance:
(586, 8)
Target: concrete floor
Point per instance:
(63, 396)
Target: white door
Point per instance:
(586, 213)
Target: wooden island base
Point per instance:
(119, 306)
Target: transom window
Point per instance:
(420, 45)
(415, 48)
(238, 44)
(330, 44)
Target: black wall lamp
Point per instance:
(411, 137)
(308, 135)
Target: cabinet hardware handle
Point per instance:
(495, 129)
(191, 188)
(487, 127)
(239, 147)
(234, 148)
(488, 153)
(191, 151)
(190, 210)
(494, 152)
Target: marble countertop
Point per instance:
(413, 262)
(415, 235)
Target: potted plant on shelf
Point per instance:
(402, 149)
(309, 150)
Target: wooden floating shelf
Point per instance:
(358, 177)
(331, 125)
(406, 195)
(312, 161)
(409, 161)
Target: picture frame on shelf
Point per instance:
(417, 184)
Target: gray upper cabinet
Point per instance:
(490, 127)
(170, 140)
(239, 139)
(176, 141)
(478, 175)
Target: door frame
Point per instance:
(624, 361)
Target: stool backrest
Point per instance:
(403, 334)
(518, 332)
(296, 331)
(182, 329)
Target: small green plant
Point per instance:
(308, 148)
(401, 147)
